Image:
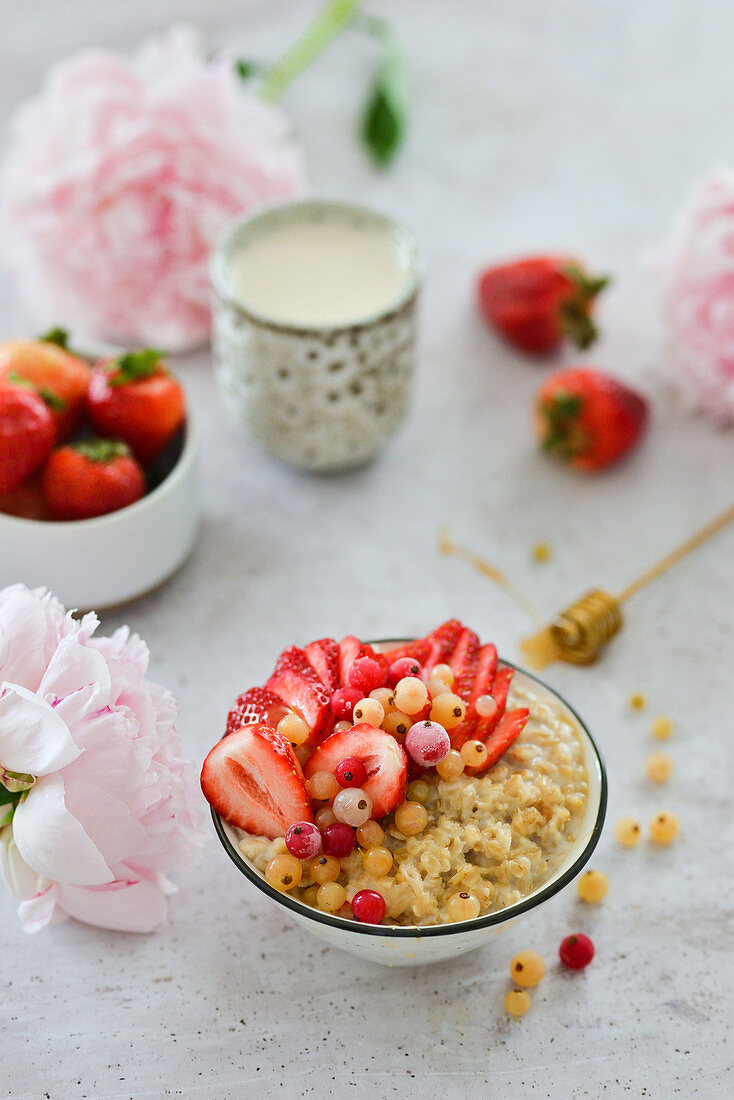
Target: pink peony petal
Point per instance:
(107, 821)
(40, 910)
(33, 737)
(52, 841)
(126, 905)
(75, 666)
(22, 879)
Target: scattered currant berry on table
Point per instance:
(474, 754)
(343, 701)
(366, 674)
(378, 861)
(427, 742)
(541, 553)
(659, 767)
(397, 723)
(664, 827)
(411, 695)
(661, 727)
(351, 772)
(627, 832)
(404, 666)
(283, 872)
(294, 729)
(527, 968)
(322, 786)
(385, 697)
(517, 1002)
(325, 816)
(593, 886)
(325, 868)
(411, 818)
(368, 906)
(448, 710)
(369, 710)
(330, 897)
(370, 835)
(576, 952)
(463, 906)
(419, 791)
(637, 701)
(303, 840)
(338, 839)
(451, 766)
(485, 706)
(353, 806)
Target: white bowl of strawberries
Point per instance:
(405, 801)
(98, 491)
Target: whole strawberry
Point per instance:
(538, 302)
(56, 375)
(589, 419)
(26, 435)
(136, 399)
(91, 479)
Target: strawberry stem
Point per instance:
(54, 402)
(564, 437)
(575, 312)
(135, 365)
(103, 451)
(57, 336)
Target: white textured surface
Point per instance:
(571, 124)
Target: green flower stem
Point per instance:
(333, 17)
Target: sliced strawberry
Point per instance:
(508, 728)
(323, 656)
(442, 641)
(500, 688)
(298, 685)
(419, 650)
(254, 781)
(256, 706)
(349, 649)
(484, 673)
(382, 756)
(464, 660)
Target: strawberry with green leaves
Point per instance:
(26, 435)
(136, 399)
(91, 479)
(47, 367)
(539, 302)
(588, 419)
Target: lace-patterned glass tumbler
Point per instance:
(322, 397)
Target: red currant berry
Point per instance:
(303, 840)
(366, 674)
(576, 952)
(338, 839)
(427, 743)
(343, 700)
(368, 906)
(351, 772)
(404, 666)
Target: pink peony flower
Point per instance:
(698, 300)
(122, 174)
(96, 805)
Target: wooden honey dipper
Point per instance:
(580, 633)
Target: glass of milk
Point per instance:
(315, 330)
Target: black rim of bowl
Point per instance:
(412, 932)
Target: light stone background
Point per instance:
(570, 125)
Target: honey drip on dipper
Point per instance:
(580, 633)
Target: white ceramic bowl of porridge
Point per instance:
(432, 938)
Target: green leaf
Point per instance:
(58, 336)
(9, 796)
(384, 115)
(134, 365)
